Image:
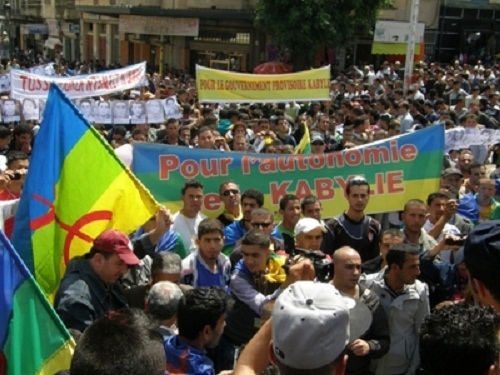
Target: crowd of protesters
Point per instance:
(209, 285)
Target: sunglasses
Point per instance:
(228, 192)
(263, 225)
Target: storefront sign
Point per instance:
(33, 29)
(159, 25)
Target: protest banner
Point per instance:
(222, 86)
(28, 85)
(398, 169)
(459, 138)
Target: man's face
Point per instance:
(248, 205)
(103, 109)
(85, 108)
(139, 138)
(19, 164)
(264, 127)
(5, 141)
(470, 123)
(120, 110)
(173, 129)
(309, 240)
(111, 269)
(464, 162)
(192, 200)
(263, 222)
(454, 180)
(410, 270)
(476, 174)
(414, 218)
(23, 139)
(206, 140)
(486, 190)
(313, 210)
(230, 195)
(240, 144)
(9, 108)
(185, 135)
(358, 198)
(291, 213)
(347, 270)
(387, 241)
(255, 257)
(436, 208)
(210, 245)
(118, 139)
(318, 147)
(216, 333)
(323, 123)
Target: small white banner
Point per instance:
(456, 139)
(28, 85)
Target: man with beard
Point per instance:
(353, 228)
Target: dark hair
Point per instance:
(399, 253)
(256, 237)
(227, 182)
(120, 129)
(356, 181)
(138, 131)
(253, 194)
(191, 184)
(209, 225)
(204, 129)
(287, 198)
(393, 232)
(413, 202)
(475, 165)
(460, 339)
(323, 370)
(4, 132)
(15, 155)
(23, 129)
(121, 342)
(436, 195)
(310, 199)
(198, 308)
(165, 262)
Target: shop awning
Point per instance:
(52, 42)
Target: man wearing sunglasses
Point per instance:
(263, 219)
(230, 195)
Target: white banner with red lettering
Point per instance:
(28, 85)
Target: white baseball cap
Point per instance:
(310, 324)
(308, 224)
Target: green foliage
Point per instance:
(301, 26)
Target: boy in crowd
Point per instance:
(207, 266)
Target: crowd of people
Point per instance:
(409, 292)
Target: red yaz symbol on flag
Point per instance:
(73, 230)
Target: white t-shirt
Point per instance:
(187, 229)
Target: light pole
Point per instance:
(6, 9)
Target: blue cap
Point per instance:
(482, 250)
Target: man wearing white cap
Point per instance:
(309, 234)
(295, 338)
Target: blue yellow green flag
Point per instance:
(304, 146)
(76, 187)
(33, 340)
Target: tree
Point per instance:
(303, 26)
